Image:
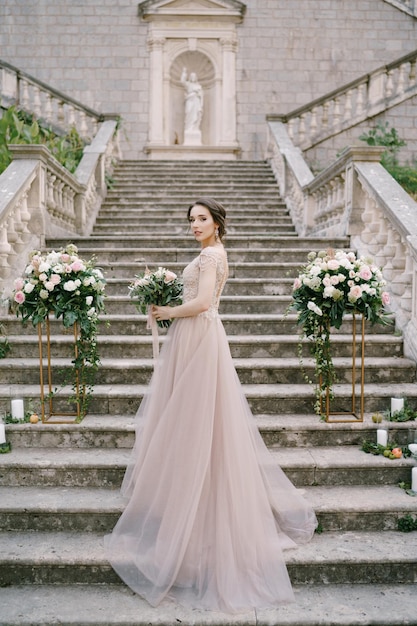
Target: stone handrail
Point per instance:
(58, 110)
(355, 197)
(352, 104)
(408, 6)
(39, 198)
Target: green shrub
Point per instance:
(18, 127)
(382, 135)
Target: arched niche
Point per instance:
(201, 36)
(203, 68)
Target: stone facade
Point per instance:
(286, 54)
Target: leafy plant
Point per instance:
(390, 451)
(4, 343)
(19, 127)
(407, 524)
(382, 135)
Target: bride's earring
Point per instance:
(216, 234)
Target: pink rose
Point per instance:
(333, 264)
(385, 298)
(169, 277)
(77, 266)
(297, 283)
(55, 279)
(18, 284)
(19, 297)
(355, 293)
(65, 258)
(365, 273)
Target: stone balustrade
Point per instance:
(40, 198)
(355, 197)
(56, 109)
(352, 104)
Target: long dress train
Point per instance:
(209, 511)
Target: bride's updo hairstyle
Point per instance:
(217, 212)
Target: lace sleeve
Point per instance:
(208, 258)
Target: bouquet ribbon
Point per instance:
(153, 326)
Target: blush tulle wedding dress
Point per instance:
(209, 511)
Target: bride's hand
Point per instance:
(161, 313)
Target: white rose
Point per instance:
(89, 300)
(70, 285)
(44, 294)
(44, 267)
(28, 288)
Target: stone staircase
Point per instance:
(59, 486)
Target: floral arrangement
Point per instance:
(331, 284)
(61, 283)
(161, 287)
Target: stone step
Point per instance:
(233, 287)
(241, 346)
(345, 558)
(129, 227)
(354, 604)
(235, 211)
(76, 509)
(251, 371)
(163, 256)
(105, 467)
(251, 324)
(180, 205)
(228, 304)
(286, 431)
(185, 243)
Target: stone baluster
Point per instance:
(348, 106)
(5, 250)
(48, 107)
(401, 79)
(313, 123)
(389, 87)
(83, 125)
(50, 197)
(290, 127)
(71, 116)
(37, 107)
(412, 73)
(25, 218)
(61, 113)
(301, 129)
(360, 99)
(336, 112)
(24, 99)
(325, 115)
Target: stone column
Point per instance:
(156, 90)
(228, 124)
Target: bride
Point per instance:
(209, 511)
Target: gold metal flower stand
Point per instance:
(48, 413)
(356, 412)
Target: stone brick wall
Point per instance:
(290, 51)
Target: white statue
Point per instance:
(193, 108)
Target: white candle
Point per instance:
(18, 409)
(2, 434)
(397, 404)
(413, 448)
(382, 437)
(414, 479)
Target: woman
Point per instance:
(209, 511)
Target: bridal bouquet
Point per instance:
(161, 287)
(331, 284)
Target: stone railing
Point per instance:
(58, 110)
(355, 197)
(40, 198)
(408, 6)
(352, 104)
